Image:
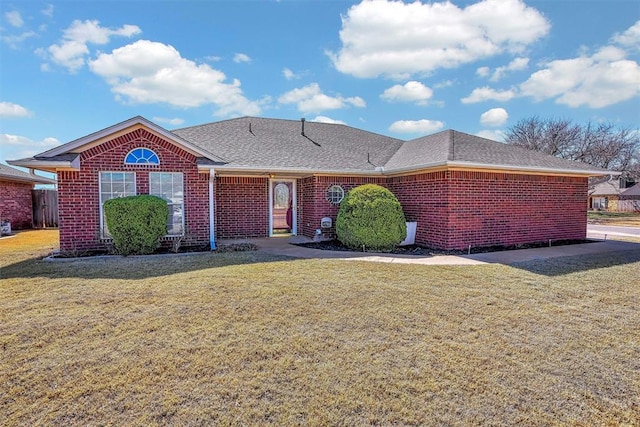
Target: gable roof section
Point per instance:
(458, 149)
(66, 156)
(252, 143)
(12, 174)
(606, 187)
(632, 191)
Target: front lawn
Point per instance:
(250, 339)
(623, 219)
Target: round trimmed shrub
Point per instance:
(371, 216)
(136, 223)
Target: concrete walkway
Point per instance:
(283, 246)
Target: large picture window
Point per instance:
(113, 185)
(169, 186)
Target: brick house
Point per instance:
(606, 194)
(15, 196)
(259, 177)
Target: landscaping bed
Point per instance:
(335, 245)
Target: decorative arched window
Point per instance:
(281, 196)
(141, 156)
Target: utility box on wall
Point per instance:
(326, 222)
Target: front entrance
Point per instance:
(282, 203)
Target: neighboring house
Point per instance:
(630, 199)
(605, 194)
(15, 196)
(258, 177)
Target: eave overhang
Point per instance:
(47, 165)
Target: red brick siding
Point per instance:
(16, 204)
(313, 202)
(506, 209)
(457, 209)
(242, 207)
(78, 191)
(424, 199)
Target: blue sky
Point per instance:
(71, 68)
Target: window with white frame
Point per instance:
(598, 203)
(113, 185)
(169, 186)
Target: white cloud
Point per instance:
(599, 80)
(14, 18)
(241, 57)
(48, 11)
(13, 41)
(483, 71)
(409, 92)
(518, 64)
(73, 49)
(394, 38)
(9, 109)
(494, 117)
(310, 99)
(173, 122)
(488, 94)
(416, 126)
(148, 72)
(495, 135)
(290, 75)
(16, 146)
(325, 119)
(212, 58)
(630, 38)
(443, 84)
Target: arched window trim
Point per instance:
(141, 156)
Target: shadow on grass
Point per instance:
(572, 264)
(133, 268)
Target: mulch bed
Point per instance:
(335, 245)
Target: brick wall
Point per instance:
(242, 207)
(455, 209)
(16, 204)
(425, 200)
(78, 191)
(313, 204)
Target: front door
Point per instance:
(282, 197)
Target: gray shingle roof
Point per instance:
(261, 144)
(275, 143)
(632, 191)
(454, 146)
(12, 174)
(606, 188)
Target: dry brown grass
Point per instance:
(248, 339)
(622, 219)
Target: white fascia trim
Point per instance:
(589, 172)
(138, 120)
(48, 166)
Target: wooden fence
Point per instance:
(45, 208)
(628, 205)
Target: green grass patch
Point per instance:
(624, 219)
(250, 339)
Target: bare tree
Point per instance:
(602, 145)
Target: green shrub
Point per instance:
(136, 223)
(370, 215)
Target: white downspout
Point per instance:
(212, 228)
